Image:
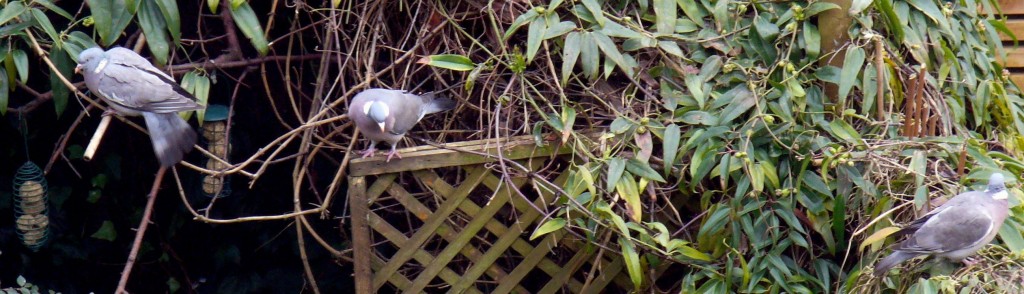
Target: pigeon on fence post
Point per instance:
(954, 230)
(386, 115)
(132, 86)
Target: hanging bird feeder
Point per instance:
(30, 205)
(215, 135)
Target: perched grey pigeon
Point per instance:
(385, 115)
(955, 229)
(133, 87)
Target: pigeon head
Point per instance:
(90, 59)
(378, 112)
(996, 186)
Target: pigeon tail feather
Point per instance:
(882, 267)
(172, 137)
(439, 104)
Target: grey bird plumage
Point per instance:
(132, 86)
(954, 230)
(386, 115)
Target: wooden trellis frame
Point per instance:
(471, 250)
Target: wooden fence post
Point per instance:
(361, 245)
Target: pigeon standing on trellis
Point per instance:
(132, 86)
(955, 229)
(386, 115)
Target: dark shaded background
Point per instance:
(236, 258)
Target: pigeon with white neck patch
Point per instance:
(132, 86)
(386, 115)
(954, 230)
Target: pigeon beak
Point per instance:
(78, 69)
(381, 127)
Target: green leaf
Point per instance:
(844, 131)
(173, 285)
(741, 100)
(629, 191)
(614, 29)
(794, 87)
(932, 11)
(639, 43)
(21, 281)
(250, 26)
(632, 260)
(559, 29)
(812, 37)
(5, 92)
(65, 67)
(851, 68)
(14, 28)
(94, 196)
(1012, 234)
(11, 10)
(237, 3)
(918, 163)
(44, 23)
(110, 18)
(554, 4)
(712, 65)
(612, 52)
(643, 169)
(672, 48)
(878, 236)
(616, 166)
(213, 4)
(756, 175)
(665, 10)
(695, 85)
(449, 61)
(202, 96)
(21, 63)
(570, 54)
(692, 253)
(819, 7)
(670, 147)
(769, 173)
(693, 10)
(589, 54)
(169, 9)
(697, 117)
(815, 182)
(523, 19)
(620, 125)
(106, 232)
(584, 172)
(53, 7)
(12, 72)
(77, 42)
(595, 10)
(534, 37)
(548, 227)
(828, 73)
(703, 160)
(154, 27)
(891, 18)
(766, 29)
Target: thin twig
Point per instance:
(141, 231)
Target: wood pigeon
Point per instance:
(386, 115)
(132, 86)
(955, 229)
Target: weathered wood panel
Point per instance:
(462, 227)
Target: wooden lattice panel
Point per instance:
(445, 221)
